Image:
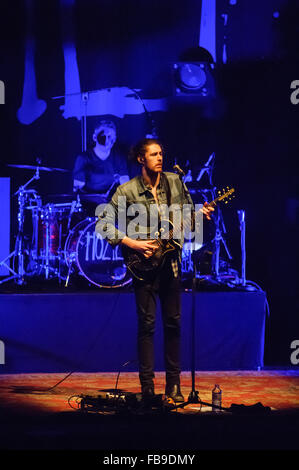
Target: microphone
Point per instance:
(179, 170)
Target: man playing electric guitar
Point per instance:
(152, 187)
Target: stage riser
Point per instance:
(97, 332)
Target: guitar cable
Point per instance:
(91, 346)
(86, 353)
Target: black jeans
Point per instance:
(165, 286)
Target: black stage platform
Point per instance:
(96, 331)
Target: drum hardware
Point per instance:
(218, 218)
(19, 250)
(113, 185)
(207, 168)
(50, 224)
(219, 227)
(70, 270)
(241, 216)
(217, 240)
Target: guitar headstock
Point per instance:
(226, 194)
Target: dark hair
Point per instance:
(141, 147)
(105, 123)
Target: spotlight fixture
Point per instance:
(194, 79)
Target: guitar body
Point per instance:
(144, 268)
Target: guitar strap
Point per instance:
(175, 257)
(168, 196)
(167, 188)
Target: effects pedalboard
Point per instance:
(115, 400)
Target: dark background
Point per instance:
(252, 125)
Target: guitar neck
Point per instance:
(213, 203)
(221, 197)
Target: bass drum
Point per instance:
(94, 258)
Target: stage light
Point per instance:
(194, 79)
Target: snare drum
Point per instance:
(94, 258)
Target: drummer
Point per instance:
(98, 168)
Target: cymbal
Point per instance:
(88, 196)
(40, 168)
(91, 197)
(73, 195)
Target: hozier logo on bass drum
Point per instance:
(92, 257)
(97, 249)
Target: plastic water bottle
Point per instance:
(217, 398)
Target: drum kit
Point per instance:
(57, 240)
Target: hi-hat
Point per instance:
(40, 168)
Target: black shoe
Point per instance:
(174, 392)
(147, 391)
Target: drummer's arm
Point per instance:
(79, 173)
(77, 185)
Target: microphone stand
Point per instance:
(193, 396)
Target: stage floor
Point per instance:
(36, 416)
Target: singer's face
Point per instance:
(153, 158)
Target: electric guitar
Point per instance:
(143, 267)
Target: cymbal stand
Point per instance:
(218, 220)
(59, 250)
(46, 250)
(19, 244)
(70, 270)
(241, 216)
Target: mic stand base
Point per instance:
(193, 397)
